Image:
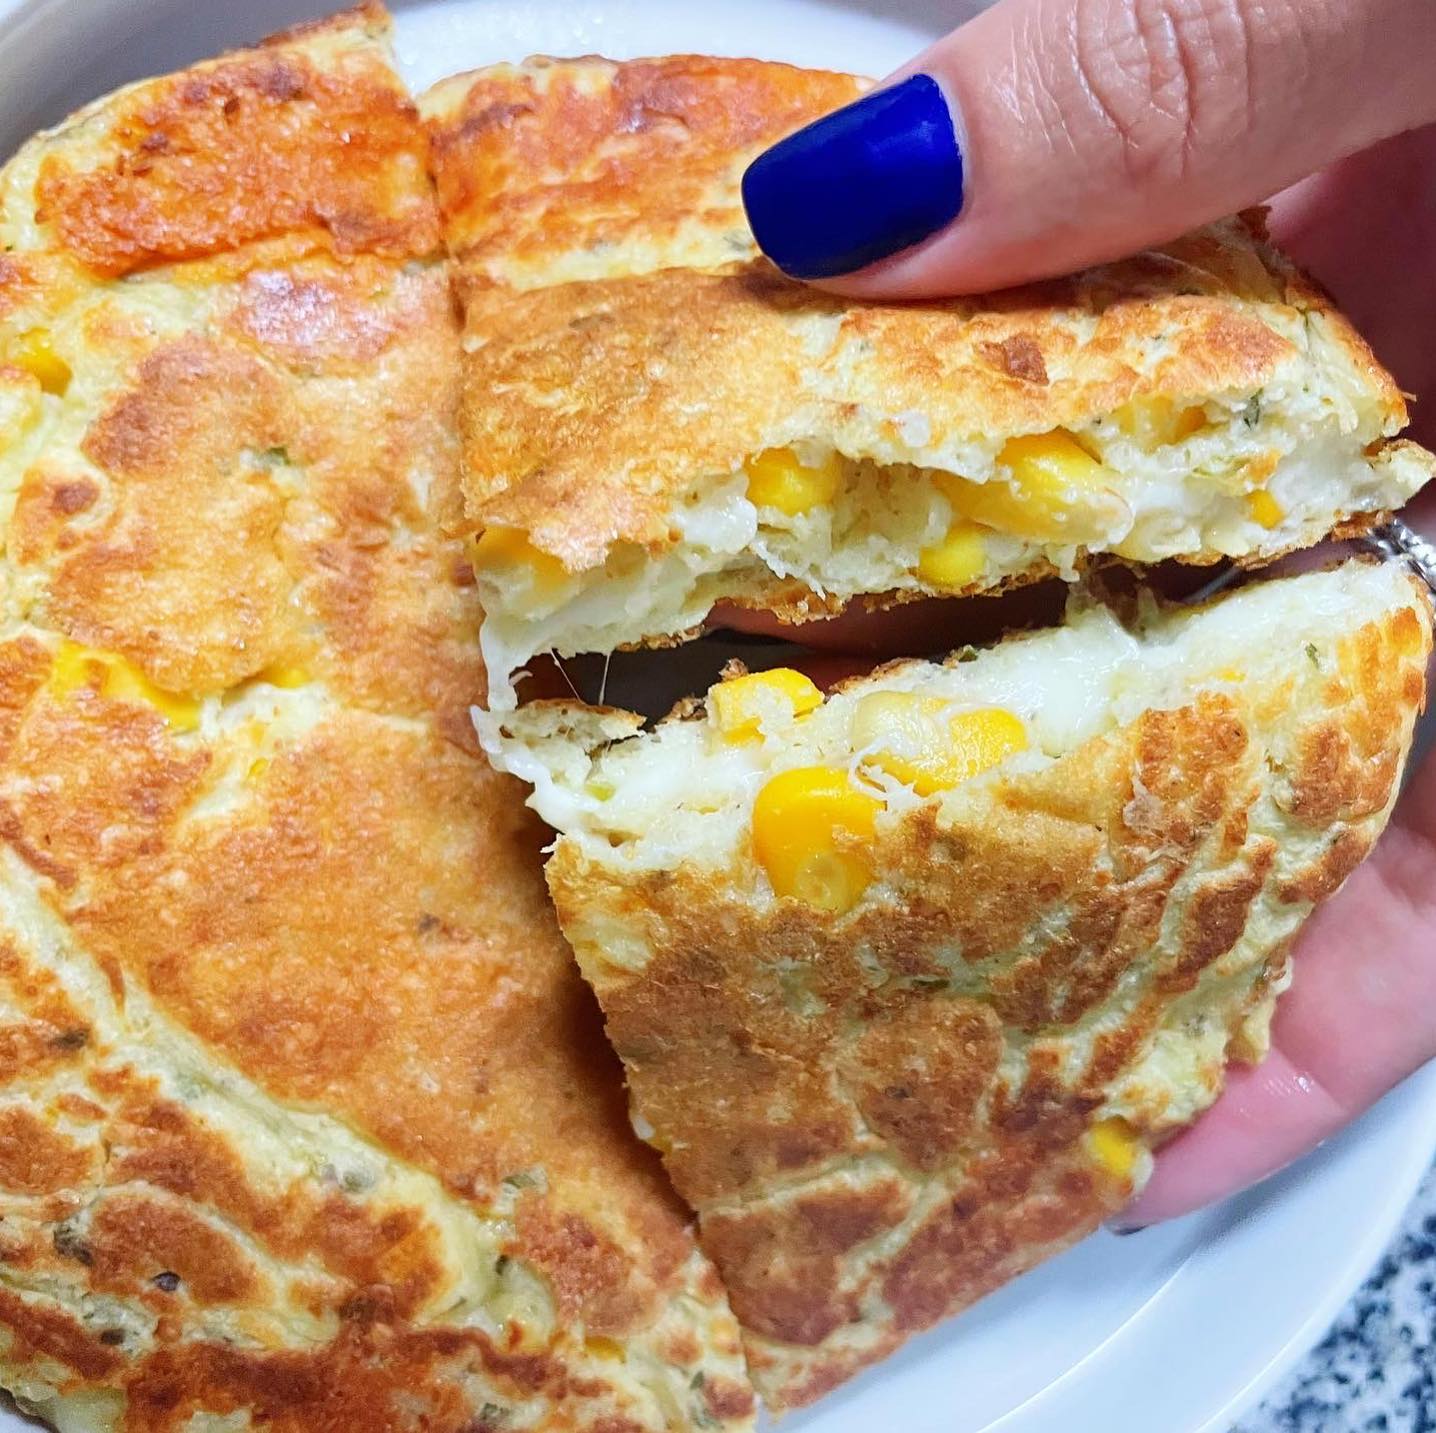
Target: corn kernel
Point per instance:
(508, 550)
(287, 675)
(257, 768)
(1188, 422)
(809, 827)
(957, 560)
(777, 479)
(741, 705)
(1158, 422)
(983, 739)
(111, 675)
(600, 789)
(1264, 509)
(32, 351)
(1114, 1144)
(607, 1349)
(909, 740)
(1058, 492)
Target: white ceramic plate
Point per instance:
(1178, 1330)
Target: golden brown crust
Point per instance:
(882, 1116)
(672, 376)
(306, 1114)
(551, 160)
(308, 135)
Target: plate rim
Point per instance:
(1412, 1106)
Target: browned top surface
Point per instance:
(588, 163)
(304, 1109)
(310, 135)
(880, 1117)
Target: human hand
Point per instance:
(1057, 133)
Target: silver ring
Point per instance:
(1395, 539)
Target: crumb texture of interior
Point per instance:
(808, 528)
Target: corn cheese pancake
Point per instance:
(910, 979)
(656, 420)
(306, 1119)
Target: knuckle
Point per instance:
(1168, 80)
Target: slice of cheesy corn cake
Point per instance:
(909, 979)
(655, 420)
(306, 1118)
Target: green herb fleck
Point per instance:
(501, 1263)
(1251, 414)
(522, 1180)
(697, 1380)
(1312, 654)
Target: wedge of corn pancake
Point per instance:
(306, 1119)
(909, 980)
(655, 420)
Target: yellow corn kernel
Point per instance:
(32, 352)
(600, 789)
(285, 674)
(777, 479)
(984, 738)
(111, 675)
(257, 768)
(909, 740)
(810, 825)
(1114, 1145)
(607, 1349)
(507, 550)
(1058, 492)
(957, 560)
(1157, 422)
(73, 666)
(1264, 509)
(1188, 421)
(740, 705)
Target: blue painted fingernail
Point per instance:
(857, 185)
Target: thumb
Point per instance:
(1045, 135)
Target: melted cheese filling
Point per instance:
(1230, 480)
(685, 792)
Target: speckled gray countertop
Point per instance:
(1376, 1371)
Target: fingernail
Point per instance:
(858, 185)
